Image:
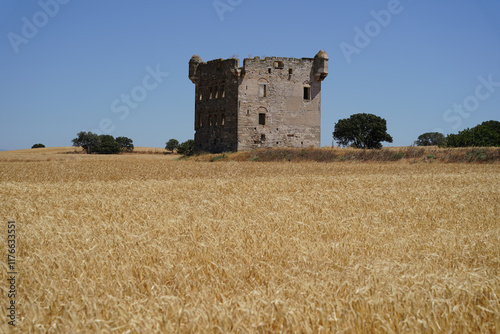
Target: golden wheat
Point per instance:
(141, 243)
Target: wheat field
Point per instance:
(145, 243)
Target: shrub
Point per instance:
(38, 146)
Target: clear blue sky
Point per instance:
(423, 65)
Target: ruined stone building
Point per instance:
(271, 102)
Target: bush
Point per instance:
(38, 146)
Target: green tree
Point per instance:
(478, 136)
(108, 145)
(186, 148)
(430, 139)
(362, 131)
(126, 144)
(493, 125)
(38, 146)
(87, 140)
(172, 144)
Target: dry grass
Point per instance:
(326, 154)
(140, 243)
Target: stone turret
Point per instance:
(321, 66)
(193, 66)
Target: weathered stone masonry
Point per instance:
(271, 102)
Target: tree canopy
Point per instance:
(186, 148)
(362, 131)
(126, 143)
(172, 144)
(89, 141)
(430, 139)
(484, 134)
(108, 145)
(103, 144)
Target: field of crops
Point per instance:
(144, 243)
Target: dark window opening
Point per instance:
(262, 137)
(307, 93)
(248, 112)
(262, 90)
(269, 70)
(290, 71)
(262, 119)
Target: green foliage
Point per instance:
(362, 131)
(430, 139)
(493, 125)
(126, 144)
(218, 158)
(87, 140)
(398, 156)
(108, 145)
(478, 136)
(476, 155)
(172, 144)
(38, 146)
(103, 144)
(186, 148)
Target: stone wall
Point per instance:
(274, 88)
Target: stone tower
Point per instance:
(271, 102)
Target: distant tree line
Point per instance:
(102, 144)
(482, 135)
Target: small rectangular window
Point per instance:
(279, 64)
(269, 70)
(262, 137)
(262, 90)
(307, 93)
(262, 119)
(200, 123)
(290, 71)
